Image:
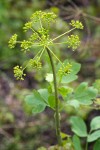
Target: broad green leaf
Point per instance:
(76, 143)
(29, 99)
(51, 101)
(78, 126)
(38, 108)
(81, 87)
(49, 77)
(44, 94)
(75, 67)
(93, 136)
(74, 103)
(96, 145)
(34, 99)
(95, 123)
(85, 94)
(69, 78)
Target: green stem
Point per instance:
(86, 147)
(62, 34)
(57, 119)
(55, 56)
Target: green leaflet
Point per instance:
(69, 78)
(75, 67)
(74, 103)
(96, 145)
(36, 101)
(93, 136)
(64, 90)
(51, 101)
(39, 100)
(38, 109)
(85, 94)
(95, 123)
(44, 94)
(78, 126)
(76, 143)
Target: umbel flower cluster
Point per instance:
(65, 69)
(39, 36)
(12, 41)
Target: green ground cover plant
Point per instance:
(58, 93)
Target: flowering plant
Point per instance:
(65, 72)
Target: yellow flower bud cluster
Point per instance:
(25, 45)
(35, 63)
(77, 24)
(18, 73)
(73, 41)
(33, 37)
(45, 16)
(12, 41)
(65, 69)
(28, 25)
(43, 32)
(50, 16)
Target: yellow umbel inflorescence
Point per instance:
(38, 29)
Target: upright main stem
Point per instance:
(57, 119)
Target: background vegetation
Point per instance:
(19, 129)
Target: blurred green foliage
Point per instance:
(13, 14)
